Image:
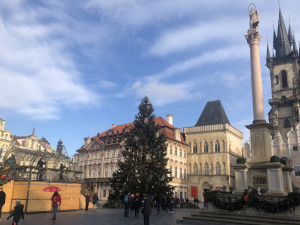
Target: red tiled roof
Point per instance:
(166, 128)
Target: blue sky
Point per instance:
(71, 69)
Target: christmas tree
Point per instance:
(144, 167)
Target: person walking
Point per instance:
(136, 204)
(87, 202)
(126, 203)
(56, 202)
(95, 201)
(147, 209)
(18, 213)
(158, 204)
(2, 200)
(204, 202)
(171, 206)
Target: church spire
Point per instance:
(282, 43)
(268, 55)
(290, 35)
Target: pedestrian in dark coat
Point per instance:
(136, 204)
(147, 209)
(87, 201)
(95, 201)
(126, 203)
(18, 213)
(158, 204)
(2, 200)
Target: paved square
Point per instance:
(100, 216)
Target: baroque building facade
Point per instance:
(98, 157)
(27, 150)
(214, 146)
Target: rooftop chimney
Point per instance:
(170, 119)
(114, 125)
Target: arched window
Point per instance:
(212, 169)
(211, 147)
(284, 79)
(200, 147)
(190, 168)
(206, 169)
(195, 148)
(286, 123)
(217, 146)
(218, 169)
(200, 169)
(206, 147)
(195, 169)
(224, 149)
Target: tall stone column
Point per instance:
(253, 39)
(260, 130)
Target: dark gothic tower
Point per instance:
(284, 74)
(60, 147)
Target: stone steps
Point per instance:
(235, 218)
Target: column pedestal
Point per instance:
(260, 141)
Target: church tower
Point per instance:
(285, 77)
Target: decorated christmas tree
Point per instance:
(144, 167)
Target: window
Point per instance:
(184, 174)
(175, 175)
(195, 148)
(113, 153)
(104, 193)
(284, 79)
(297, 171)
(99, 172)
(180, 173)
(184, 154)
(218, 169)
(195, 169)
(90, 172)
(217, 146)
(206, 169)
(171, 172)
(180, 152)
(286, 123)
(175, 150)
(295, 148)
(171, 149)
(206, 147)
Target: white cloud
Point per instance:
(210, 57)
(189, 37)
(38, 75)
(162, 93)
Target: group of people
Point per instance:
(17, 213)
(94, 201)
(134, 202)
(40, 165)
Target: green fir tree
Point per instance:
(144, 167)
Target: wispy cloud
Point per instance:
(38, 74)
(189, 37)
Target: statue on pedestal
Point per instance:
(254, 18)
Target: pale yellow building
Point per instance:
(27, 150)
(5, 139)
(214, 146)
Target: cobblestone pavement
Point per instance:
(101, 216)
